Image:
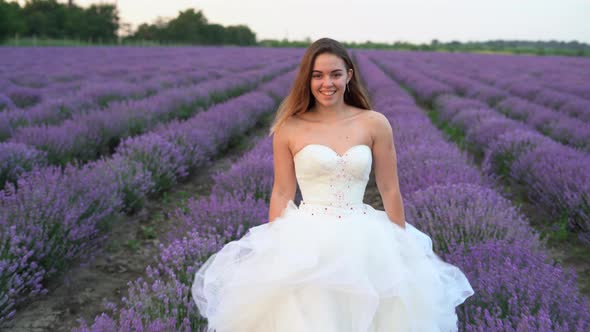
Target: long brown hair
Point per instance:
(300, 98)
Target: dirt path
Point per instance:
(131, 247)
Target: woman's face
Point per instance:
(328, 79)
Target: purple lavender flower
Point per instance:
(426, 165)
(509, 147)
(463, 214)
(17, 158)
(518, 289)
(133, 181)
(6, 103)
(252, 176)
(52, 218)
(557, 178)
(486, 132)
(23, 97)
(158, 156)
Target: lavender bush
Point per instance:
(519, 290)
(558, 178)
(161, 158)
(83, 200)
(16, 158)
(509, 301)
(162, 299)
(463, 214)
(51, 219)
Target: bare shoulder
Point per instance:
(377, 123)
(282, 135)
(375, 117)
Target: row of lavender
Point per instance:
(556, 177)
(563, 117)
(88, 136)
(511, 88)
(239, 199)
(559, 83)
(85, 136)
(475, 228)
(56, 216)
(562, 127)
(89, 95)
(74, 78)
(536, 79)
(472, 226)
(66, 82)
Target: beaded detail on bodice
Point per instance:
(331, 183)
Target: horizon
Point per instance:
(416, 22)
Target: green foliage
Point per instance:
(11, 19)
(572, 48)
(49, 19)
(149, 232)
(191, 27)
(133, 244)
(53, 23)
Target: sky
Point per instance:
(416, 21)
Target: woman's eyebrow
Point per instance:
(332, 70)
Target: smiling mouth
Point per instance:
(331, 93)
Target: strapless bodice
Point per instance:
(327, 178)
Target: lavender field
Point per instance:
(89, 136)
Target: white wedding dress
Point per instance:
(333, 264)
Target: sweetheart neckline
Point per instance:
(329, 148)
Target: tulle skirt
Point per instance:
(316, 269)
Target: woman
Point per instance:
(333, 263)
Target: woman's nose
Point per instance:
(327, 80)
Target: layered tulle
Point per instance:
(346, 270)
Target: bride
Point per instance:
(333, 263)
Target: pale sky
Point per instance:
(417, 21)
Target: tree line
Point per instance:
(50, 19)
(571, 48)
(191, 27)
(101, 23)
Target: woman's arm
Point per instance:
(284, 183)
(385, 162)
